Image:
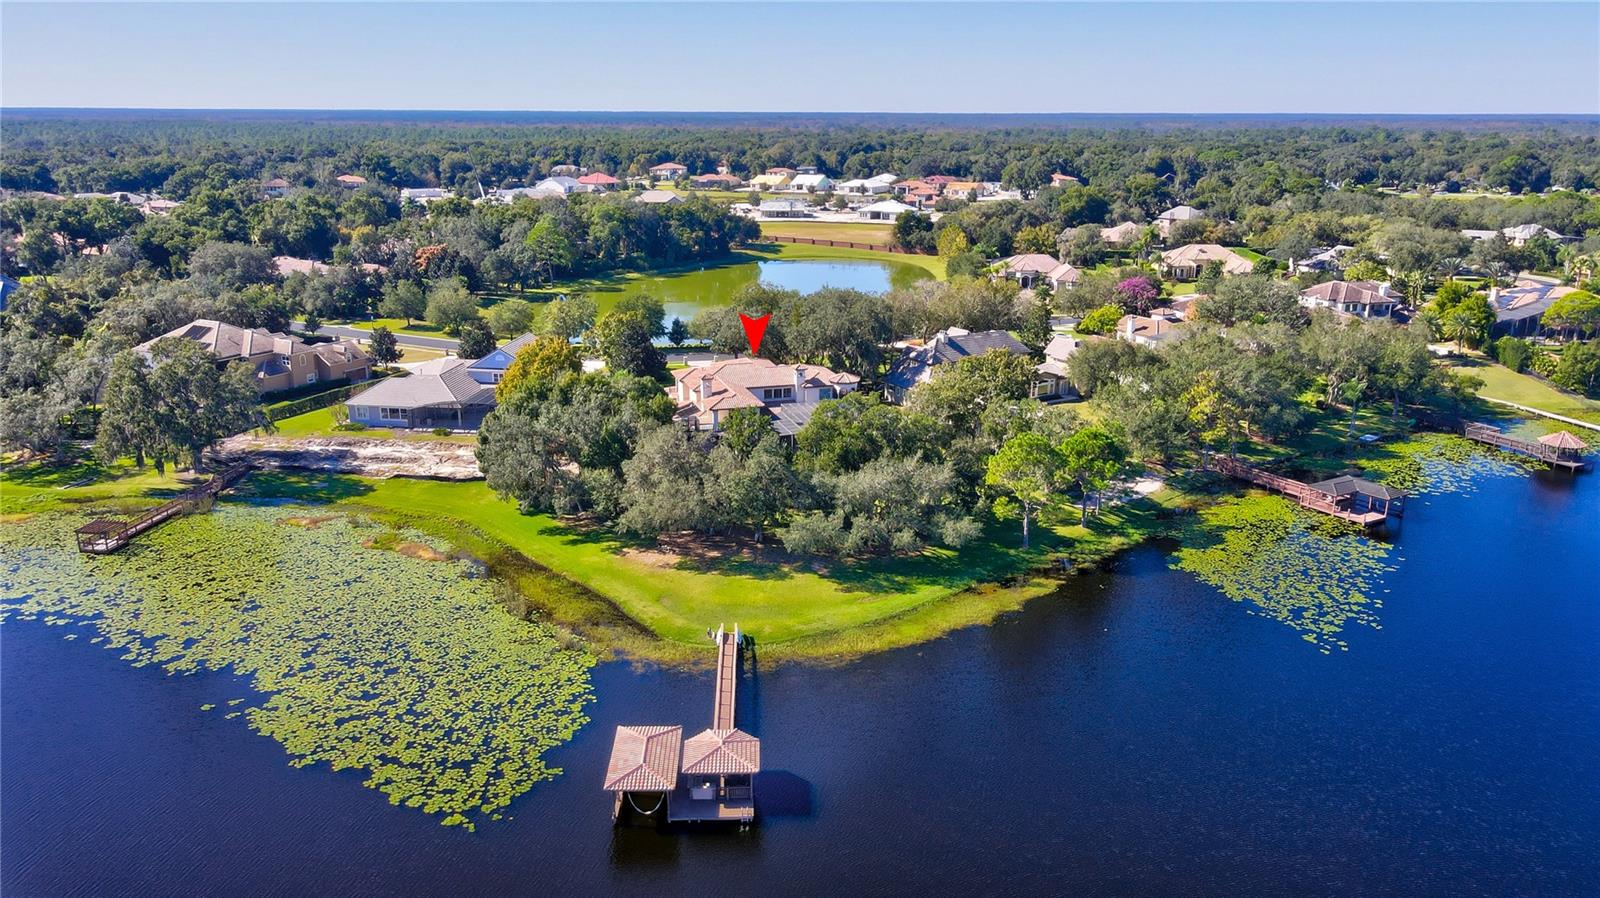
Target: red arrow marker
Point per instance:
(754, 330)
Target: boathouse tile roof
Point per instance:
(645, 759)
(719, 752)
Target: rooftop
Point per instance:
(644, 759)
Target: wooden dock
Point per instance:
(1562, 457)
(1350, 499)
(727, 678)
(103, 536)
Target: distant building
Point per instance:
(423, 195)
(1320, 260)
(1051, 382)
(558, 185)
(1519, 311)
(1167, 219)
(351, 182)
(811, 183)
(717, 181)
(1119, 236)
(784, 209)
(1058, 179)
(916, 364)
(668, 171)
(1351, 299)
(884, 210)
(599, 181)
(275, 187)
(1150, 331)
(1032, 269)
(1518, 235)
(281, 362)
(772, 179)
(658, 198)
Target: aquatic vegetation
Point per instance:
(373, 659)
(1441, 463)
(1308, 571)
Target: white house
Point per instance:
(668, 171)
(560, 185)
(811, 183)
(1051, 381)
(1355, 299)
(658, 198)
(439, 393)
(883, 210)
(784, 209)
(423, 195)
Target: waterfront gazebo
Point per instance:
(101, 535)
(1356, 494)
(1567, 446)
(719, 768)
(644, 768)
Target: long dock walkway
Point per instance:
(1566, 457)
(727, 678)
(1337, 504)
(103, 536)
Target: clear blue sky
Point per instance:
(891, 57)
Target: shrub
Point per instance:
(1102, 320)
(1513, 353)
(441, 431)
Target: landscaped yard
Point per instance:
(1500, 382)
(320, 423)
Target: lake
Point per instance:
(686, 292)
(1137, 733)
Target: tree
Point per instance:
(1579, 368)
(744, 428)
(543, 360)
(476, 340)
(1101, 321)
(1366, 270)
(677, 332)
(404, 300)
(1035, 330)
(510, 318)
(181, 403)
(957, 395)
(1079, 205)
(1137, 294)
(1575, 314)
(1469, 322)
(1040, 238)
(952, 242)
(626, 341)
(233, 266)
(383, 347)
(1026, 469)
(1083, 246)
(1513, 353)
(569, 317)
(1091, 458)
(451, 305)
(1254, 297)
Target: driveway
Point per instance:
(404, 339)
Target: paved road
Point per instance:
(404, 339)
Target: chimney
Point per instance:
(1383, 289)
(1129, 319)
(799, 378)
(1494, 295)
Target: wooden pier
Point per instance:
(1560, 449)
(658, 775)
(103, 536)
(1352, 499)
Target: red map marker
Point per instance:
(754, 329)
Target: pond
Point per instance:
(1137, 733)
(687, 292)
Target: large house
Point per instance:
(784, 209)
(1036, 269)
(440, 393)
(772, 179)
(868, 186)
(719, 181)
(281, 362)
(275, 188)
(1152, 330)
(1186, 262)
(1518, 235)
(1320, 259)
(351, 182)
(668, 171)
(599, 182)
(658, 198)
(1354, 299)
(916, 364)
(558, 185)
(1519, 311)
(811, 183)
(1118, 236)
(789, 393)
(423, 195)
(884, 210)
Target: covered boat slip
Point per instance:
(655, 773)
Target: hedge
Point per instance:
(288, 409)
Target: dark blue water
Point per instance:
(1136, 734)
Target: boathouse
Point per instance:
(1362, 497)
(656, 774)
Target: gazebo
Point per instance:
(101, 535)
(644, 767)
(1567, 446)
(1357, 494)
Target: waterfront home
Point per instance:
(1352, 299)
(492, 367)
(1150, 330)
(599, 182)
(281, 362)
(350, 182)
(789, 393)
(883, 210)
(1187, 262)
(439, 393)
(1167, 219)
(275, 188)
(811, 183)
(668, 171)
(1118, 236)
(1035, 269)
(1519, 311)
(423, 195)
(917, 364)
(1051, 382)
(784, 209)
(658, 198)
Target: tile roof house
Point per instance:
(1032, 269)
(789, 393)
(670, 171)
(1150, 331)
(716, 182)
(1057, 179)
(1518, 235)
(282, 362)
(644, 759)
(1167, 219)
(275, 187)
(1351, 299)
(1051, 381)
(658, 198)
(1186, 262)
(599, 180)
(1122, 234)
(351, 182)
(439, 393)
(916, 364)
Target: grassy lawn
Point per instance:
(319, 423)
(1176, 288)
(1248, 253)
(1500, 382)
(417, 354)
(863, 232)
(397, 325)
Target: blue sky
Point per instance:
(891, 57)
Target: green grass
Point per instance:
(859, 232)
(320, 423)
(1500, 382)
(397, 325)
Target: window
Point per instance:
(777, 393)
(311, 378)
(391, 414)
